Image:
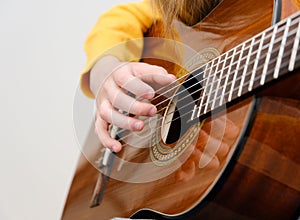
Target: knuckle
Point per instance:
(96, 129)
(105, 87)
(135, 124)
(121, 77)
(137, 108)
(140, 108)
(161, 69)
(102, 111)
(105, 141)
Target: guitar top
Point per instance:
(243, 81)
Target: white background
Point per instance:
(41, 56)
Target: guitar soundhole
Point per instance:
(185, 99)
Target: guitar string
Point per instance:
(216, 73)
(247, 41)
(122, 130)
(215, 90)
(220, 87)
(257, 79)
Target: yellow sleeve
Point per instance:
(120, 24)
(297, 3)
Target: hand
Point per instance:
(213, 145)
(111, 81)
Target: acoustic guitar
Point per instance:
(247, 98)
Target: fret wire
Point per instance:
(269, 73)
(263, 33)
(297, 14)
(235, 73)
(204, 91)
(219, 80)
(209, 87)
(294, 17)
(233, 49)
(227, 76)
(193, 112)
(212, 85)
(224, 86)
(262, 80)
(256, 79)
(246, 67)
(232, 63)
(219, 74)
(281, 50)
(256, 61)
(294, 50)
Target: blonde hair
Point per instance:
(190, 12)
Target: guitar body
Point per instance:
(259, 177)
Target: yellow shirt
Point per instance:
(123, 23)
(120, 24)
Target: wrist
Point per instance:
(100, 71)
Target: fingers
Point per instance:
(211, 145)
(107, 113)
(222, 128)
(197, 160)
(142, 76)
(186, 172)
(231, 131)
(120, 100)
(113, 98)
(152, 74)
(101, 129)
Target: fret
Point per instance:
(281, 50)
(270, 73)
(294, 50)
(269, 53)
(256, 61)
(236, 73)
(284, 63)
(193, 113)
(246, 68)
(227, 76)
(204, 89)
(219, 81)
(212, 83)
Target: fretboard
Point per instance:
(250, 65)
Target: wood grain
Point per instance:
(259, 177)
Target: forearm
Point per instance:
(119, 33)
(100, 71)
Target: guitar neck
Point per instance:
(250, 65)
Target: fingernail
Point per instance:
(172, 76)
(138, 125)
(152, 111)
(149, 95)
(115, 148)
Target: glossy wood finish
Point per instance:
(262, 182)
(265, 181)
(168, 195)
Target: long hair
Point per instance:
(190, 12)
